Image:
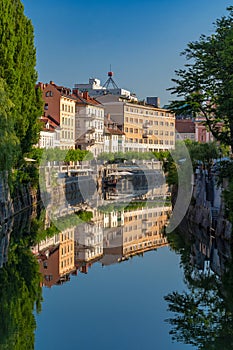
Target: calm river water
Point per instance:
(108, 277)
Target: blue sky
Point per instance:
(142, 40)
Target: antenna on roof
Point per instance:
(110, 80)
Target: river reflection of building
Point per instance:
(56, 257)
(133, 232)
(108, 238)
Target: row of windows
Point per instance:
(147, 112)
(67, 249)
(150, 141)
(147, 224)
(68, 135)
(67, 235)
(95, 112)
(49, 94)
(47, 141)
(94, 240)
(146, 244)
(67, 262)
(67, 121)
(144, 216)
(97, 125)
(67, 108)
(148, 122)
(150, 132)
(136, 237)
(98, 250)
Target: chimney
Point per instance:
(75, 92)
(85, 95)
(154, 101)
(108, 116)
(51, 82)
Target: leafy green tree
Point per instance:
(20, 285)
(205, 85)
(18, 60)
(202, 315)
(9, 143)
(204, 152)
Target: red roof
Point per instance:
(185, 126)
(52, 125)
(115, 131)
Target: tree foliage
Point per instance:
(205, 85)
(9, 143)
(18, 60)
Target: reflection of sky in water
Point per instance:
(116, 307)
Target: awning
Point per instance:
(121, 173)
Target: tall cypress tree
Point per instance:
(17, 68)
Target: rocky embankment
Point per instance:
(205, 220)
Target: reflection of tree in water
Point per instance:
(20, 290)
(203, 316)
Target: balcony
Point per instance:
(145, 125)
(91, 142)
(90, 130)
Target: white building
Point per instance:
(95, 89)
(114, 138)
(50, 134)
(89, 123)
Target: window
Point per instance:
(49, 94)
(46, 106)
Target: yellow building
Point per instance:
(146, 128)
(143, 230)
(66, 251)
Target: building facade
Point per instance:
(50, 134)
(147, 128)
(185, 129)
(89, 123)
(60, 105)
(114, 138)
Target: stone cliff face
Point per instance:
(205, 222)
(24, 197)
